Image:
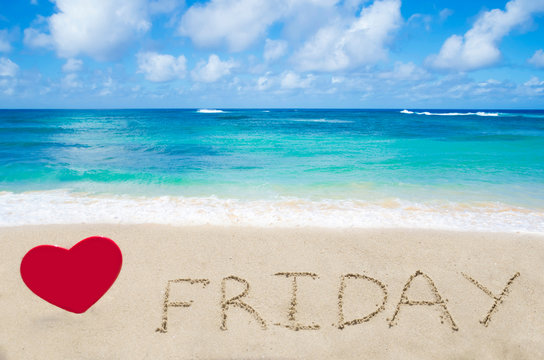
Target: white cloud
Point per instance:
(478, 48)
(72, 65)
(70, 81)
(7, 86)
(287, 80)
(213, 70)
(445, 13)
(97, 28)
(292, 80)
(423, 20)
(303, 18)
(534, 81)
(8, 67)
(238, 23)
(161, 67)
(34, 38)
(264, 82)
(342, 45)
(405, 71)
(337, 79)
(108, 87)
(274, 49)
(537, 59)
(534, 87)
(5, 45)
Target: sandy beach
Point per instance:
(377, 294)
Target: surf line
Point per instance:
(292, 323)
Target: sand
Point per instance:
(286, 293)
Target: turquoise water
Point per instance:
(422, 157)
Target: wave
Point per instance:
(406, 112)
(63, 207)
(479, 113)
(209, 111)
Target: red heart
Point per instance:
(72, 279)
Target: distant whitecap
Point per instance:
(479, 113)
(209, 111)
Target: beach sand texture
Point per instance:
(418, 294)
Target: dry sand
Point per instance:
(465, 299)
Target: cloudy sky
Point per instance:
(272, 53)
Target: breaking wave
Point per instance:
(209, 111)
(478, 113)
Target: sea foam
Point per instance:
(63, 207)
(479, 113)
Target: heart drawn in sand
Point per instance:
(72, 279)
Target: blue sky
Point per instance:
(271, 53)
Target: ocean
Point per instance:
(476, 170)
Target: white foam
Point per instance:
(406, 112)
(209, 111)
(62, 207)
(479, 113)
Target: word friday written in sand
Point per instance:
(238, 301)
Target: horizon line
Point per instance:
(277, 108)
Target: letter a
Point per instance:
(438, 301)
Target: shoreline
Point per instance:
(47, 207)
(399, 229)
(123, 323)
